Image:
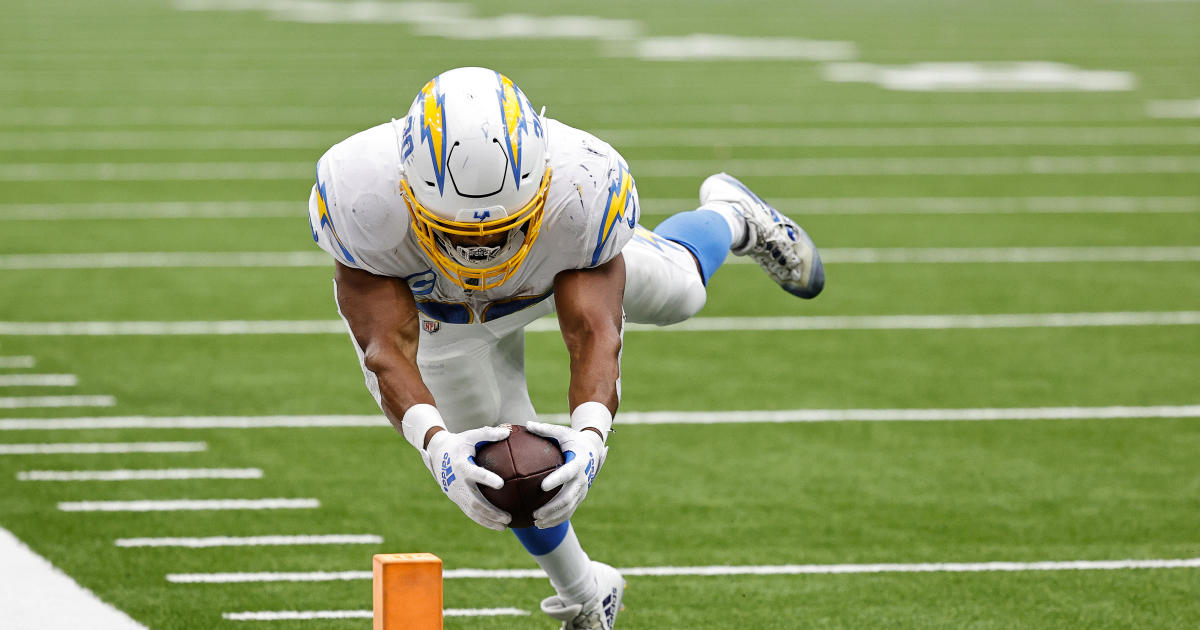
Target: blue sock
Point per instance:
(704, 233)
(540, 542)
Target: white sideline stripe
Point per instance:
(251, 541)
(761, 167)
(17, 362)
(301, 615)
(800, 205)
(36, 594)
(900, 136)
(892, 166)
(38, 380)
(669, 571)
(28, 402)
(627, 417)
(953, 205)
(696, 324)
(152, 210)
(862, 255)
(176, 505)
(140, 475)
(81, 448)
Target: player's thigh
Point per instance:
(662, 284)
(477, 379)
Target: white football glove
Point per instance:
(450, 457)
(584, 452)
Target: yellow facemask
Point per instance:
(427, 226)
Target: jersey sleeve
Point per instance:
(614, 215)
(355, 210)
(323, 231)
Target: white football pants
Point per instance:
(477, 371)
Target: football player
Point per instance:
(455, 227)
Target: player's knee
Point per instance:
(688, 301)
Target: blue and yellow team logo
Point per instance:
(326, 220)
(433, 132)
(621, 207)
(513, 110)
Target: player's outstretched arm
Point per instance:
(383, 319)
(590, 317)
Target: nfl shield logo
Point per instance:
(432, 326)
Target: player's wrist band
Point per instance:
(417, 421)
(595, 415)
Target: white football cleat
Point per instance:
(782, 248)
(598, 614)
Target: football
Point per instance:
(522, 460)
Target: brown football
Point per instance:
(522, 460)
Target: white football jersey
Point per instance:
(358, 215)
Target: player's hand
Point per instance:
(451, 459)
(584, 452)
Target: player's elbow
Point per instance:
(380, 360)
(594, 336)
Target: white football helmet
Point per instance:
(475, 167)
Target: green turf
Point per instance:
(822, 493)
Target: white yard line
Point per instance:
(951, 205)
(220, 116)
(979, 414)
(856, 255)
(156, 171)
(252, 541)
(92, 448)
(171, 474)
(137, 260)
(36, 594)
(716, 570)
(38, 380)
(642, 136)
(153, 210)
(645, 168)
(17, 362)
(958, 255)
(193, 422)
(234, 327)
(272, 576)
(1182, 108)
(912, 166)
(898, 136)
(304, 615)
(627, 417)
(650, 206)
(177, 505)
(697, 324)
(29, 402)
(912, 322)
(173, 140)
